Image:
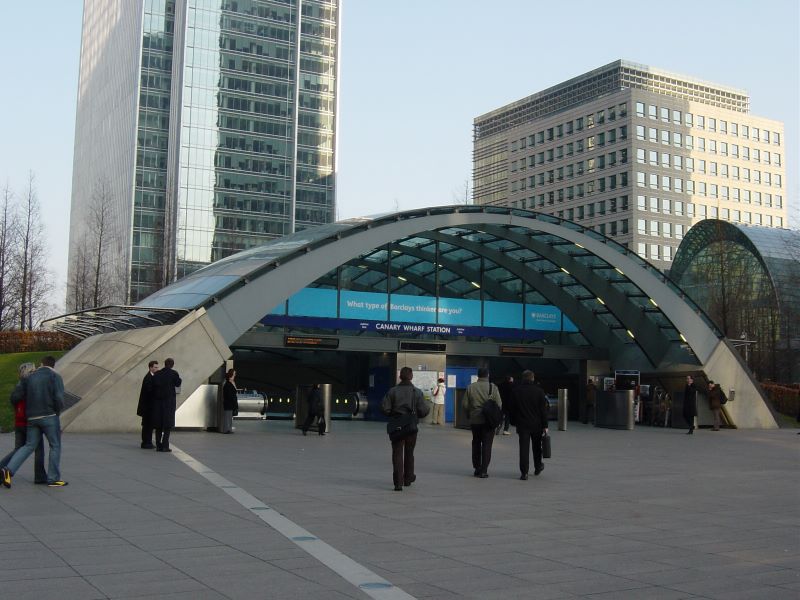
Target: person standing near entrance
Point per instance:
(164, 383)
(404, 399)
(482, 434)
(530, 416)
(316, 410)
(690, 403)
(43, 392)
(591, 398)
(438, 394)
(715, 403)
(506, 388)
(145, 406)
(230, 402)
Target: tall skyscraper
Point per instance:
(636, 153)
(203, 127)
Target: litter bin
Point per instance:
(615, 409)
(563, 406)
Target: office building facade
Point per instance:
(635, 153)
(208, 125)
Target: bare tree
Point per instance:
(7, 228)
(29, 230)
(463, 195)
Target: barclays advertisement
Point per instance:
(416, 314)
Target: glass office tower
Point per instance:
(211, 124)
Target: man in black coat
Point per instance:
(164, 383)
(529, 414)
(506, 388)
(690, 403)
(145, 407)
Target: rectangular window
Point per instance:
(640, 203)
(701, 166)
(579, 124)
(688, 119)
(734, 129)
(570, 149)
(767, 179)
(654, 228)
(654, 252)
(756, 155)
(712, 168)
(688, 142)
(624, 226)
(665, 114)
(756, 134)
(701, 122)
(756, 176)
(689, 164)
(757, 218)
(736, 216)
(723, 126)
(665, 206)
(667, 253)
(589, 121)
(765, 157)
(678, 184)
(640, 249)
(702, 188)
(677, 162)
(712, 124)
(776, 138)
(540, 137)
(652, 134)
(723, 170)
(640, 179)
(676, 139)
(746, 217)
(665, 160)
(712, 146)
(714, 190)
(690, 210)
(640, 132)
(725, 192)
(723, 148)
(600, 118)
(665, 137)
(653, 204)
(653, 157)
(701, 144)
(736, 194)
(652, 111)
(666, 230)
(689, 186)
(724, 214)
(712, 212)
(666, 183)
(653, 181)
(678, 230)
(612, 113)
(678, 208)
(676, 117)
(560, 131)
(745, 131)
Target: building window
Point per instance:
(652, 111)
(653, 204)
(640, 179)
(665, 137)
(666, 230)
(654, 228)
(712, 212)
(678, 231)
(701, 122)
(640, 250)
(688, 119)
(677, 162)
(640, 109)
(640, 203)
(665, 114)
(665, 206)
(677, 184)
(652, 134)
(640, 132)
(654, 252)
(668, 253)
(734, 129)
(712, 124)
(723, 126)
(653, 157)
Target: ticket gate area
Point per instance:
(257, 405)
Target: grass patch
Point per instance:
(9, 363)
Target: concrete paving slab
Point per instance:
(616, 514)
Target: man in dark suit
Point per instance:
(164, 383)
(529, 414)
(145, 407)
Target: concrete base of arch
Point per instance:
(747, 409)
(105, 371)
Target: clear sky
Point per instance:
(414, 75)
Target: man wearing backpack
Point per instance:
(477, 395)
(529, 412)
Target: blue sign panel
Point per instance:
(542, 317)
(413, 309)
(454, 311)
(279, 310)
(313, 302)
(363, 305)
(502, 314)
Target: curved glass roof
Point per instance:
(777, 250)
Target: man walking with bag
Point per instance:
(530, 416)
(404, 404)
(478, 393)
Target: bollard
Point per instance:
(562, 409)
(326, 389)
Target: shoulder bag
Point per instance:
(402, 425)
(492, 413)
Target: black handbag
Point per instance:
(402, 425)
(546, 449)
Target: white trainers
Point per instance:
(506, 433)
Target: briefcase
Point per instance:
(546, 449)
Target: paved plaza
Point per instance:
(268, 513)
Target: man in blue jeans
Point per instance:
(43, 391)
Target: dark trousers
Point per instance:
(147, 433)
(529, 438)
(162, 438)
(482, 438)
(403, 460)
(310, 419)
(506, 422)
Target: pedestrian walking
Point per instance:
(145, 407)
(506, 388)
(530, 417)
(475, 397)
(21, 426)
(404, 403)
(715, 402)
(43, 391)
(165, 383)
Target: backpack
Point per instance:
(492, 413)
(723, 399)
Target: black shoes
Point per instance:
(690, 432)
(538, 470)
(163, 450)
(410, 481)
(476, 473)
(398, 488)
(146, 446)
(304, 432)
(483, 475)
(524, 477)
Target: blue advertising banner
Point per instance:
(454, 311)
(412, 309)
(313, 302)
(502, 314)
(542, 317)
(363, 305)
(567, 325)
